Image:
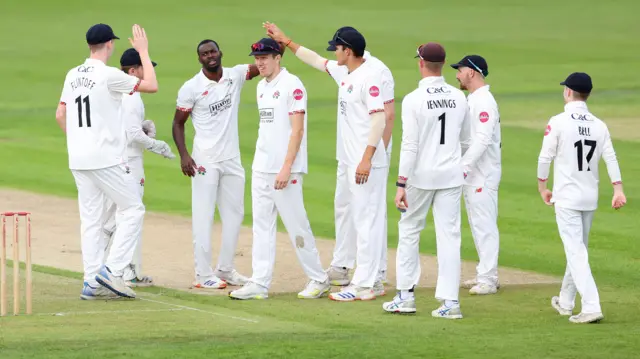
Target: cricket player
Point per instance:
(361, 155)
(344, 255)
(434, 123)
(140, 136)
(279, 165)
(482, 164)
(576, 140)
(89, 112)
(212, 98)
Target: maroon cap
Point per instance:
(431, 52)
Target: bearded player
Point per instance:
(211, 98)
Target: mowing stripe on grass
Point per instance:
(199, 310)
(61, 314)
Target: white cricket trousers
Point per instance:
(482, 211)
(446, 218)
(221, 184)
(95, 187)
(267, 203)
(344, 254)
(574, 227)
(360, 220)
(135, 269)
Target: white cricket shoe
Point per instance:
(378, 289)
(452, 312)
(400, 305)
(250, 290)
(96, 293)
(584, 318)
(212, 282)
(352, 293)
(470, 283)
(139, 282)
(114, 284)
(555, 303)
(483, 289)
(315, 289)
(338, 276)
(232, 277)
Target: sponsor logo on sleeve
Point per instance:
(298, 94)
(484, 116)
(374, 91)
(547, 130)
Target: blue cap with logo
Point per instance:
(348, 37)
(474, 62)
(99, 34)
(265, 46)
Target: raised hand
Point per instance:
(139, 41)
(275, 33)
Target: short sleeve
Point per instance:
(388, 87)
(336, 71)
(241, 72)
(372, 95)
(185, 100)
(64, 97)
(120, 82)
(297, 98)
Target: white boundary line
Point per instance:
(112, 311)
(199, 310)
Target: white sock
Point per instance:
(451, 303)
(405, 294)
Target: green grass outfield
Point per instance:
(530, 48)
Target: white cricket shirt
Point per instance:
(92, 93)
(576, 140)
(283, 96)
(338, 72)
(359, 96)
(434, 117)
(133, 115)
(484, 155)
(214, 111)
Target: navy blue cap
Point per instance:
(579, 82)
(348, 37)
(265, 46)
(131, 57)
(474, 62)
(99, 34)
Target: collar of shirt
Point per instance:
(275, 80)
(206, 81)
(431, 80)
(94, 62)
(480, 90)
(366, 55)
(576, 105)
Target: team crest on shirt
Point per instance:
(350, 89)
(142, 182)
(276, 94)
(202, 170)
